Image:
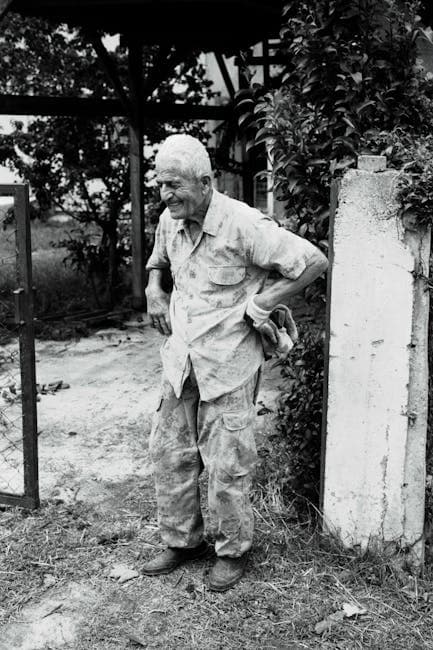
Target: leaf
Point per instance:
(135, 638)
(353, 610)
(357, 77)
(322, 627)
(122, 573)
(303, 229)
(263, 135)
(348, 610)
(364, 105)
(326, 624)
(349, 122)
(245, 118)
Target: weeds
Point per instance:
(58, 287)
(297, 577)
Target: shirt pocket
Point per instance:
(225, 285)
(226, 275)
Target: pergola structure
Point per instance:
(177, 26)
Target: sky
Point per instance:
(5, 175)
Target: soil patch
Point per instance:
(97, 493)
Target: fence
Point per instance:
(18, 419)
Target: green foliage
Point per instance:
(80, 166)
(415, 191)
(295, 457)
(351, 78)
(351, 85)
(59, 288)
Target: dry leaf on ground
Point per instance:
(122, 573)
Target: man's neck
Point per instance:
(200, 215)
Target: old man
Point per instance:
(220, 252)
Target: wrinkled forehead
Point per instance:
(174, 165)
(171, 173)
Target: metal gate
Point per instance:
(18, 418)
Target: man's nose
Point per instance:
(165, 192)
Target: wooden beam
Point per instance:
(266, 65)
(247, 169)
(27, 343)
(136, 170)
(225, 74)
(18, 501)
(273, 59)
(91, 107)
(110, 68)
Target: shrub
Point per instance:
(294, 458)
(352, 84)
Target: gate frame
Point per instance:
(24, 318)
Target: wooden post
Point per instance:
(247, 169)
(225, 74)
(24, 319)
(266, 65)
(135, 64)
(27, 346)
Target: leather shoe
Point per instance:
(226, 572)
(170, 558)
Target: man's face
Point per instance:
(183, 195)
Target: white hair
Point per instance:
(184, 153)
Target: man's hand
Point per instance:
(277, 328)
(269, 331)
(158, 310)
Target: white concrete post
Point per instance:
(376, 416)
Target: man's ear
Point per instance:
(206, 182)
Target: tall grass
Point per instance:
(59, 288)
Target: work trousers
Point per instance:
(188, 435)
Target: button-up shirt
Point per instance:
(213, 279)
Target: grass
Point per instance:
(296, 578)
(59, 288)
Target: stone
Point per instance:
(376, 416)
(372, 163)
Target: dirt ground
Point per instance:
(93, 452)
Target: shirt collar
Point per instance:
(213, 218)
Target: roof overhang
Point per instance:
(221, 25)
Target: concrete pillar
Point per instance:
(376, 415)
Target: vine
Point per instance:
(352, 85)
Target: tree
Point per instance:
(81, 165)
(352, 84)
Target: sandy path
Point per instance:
(98, 428)
(93, 436)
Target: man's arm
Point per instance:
(283, 289)
(158, 303)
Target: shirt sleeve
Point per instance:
(159, 258)
(275, 248)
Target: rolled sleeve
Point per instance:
(159, 258)
(277, 249)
